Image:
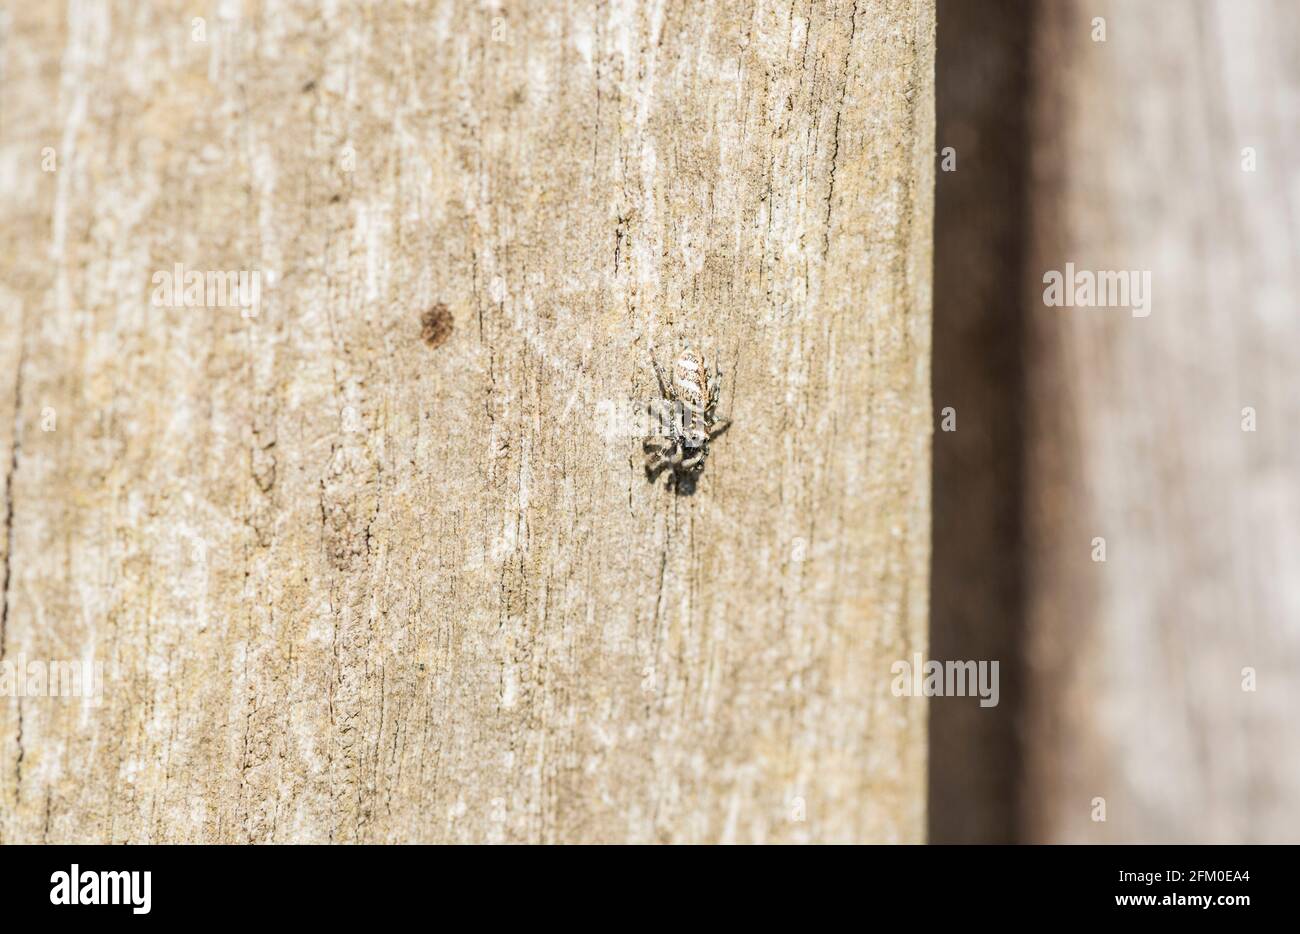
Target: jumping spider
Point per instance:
(685, 420)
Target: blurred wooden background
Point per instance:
(1127, 153)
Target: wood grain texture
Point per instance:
(354, 584)
(1136, 426)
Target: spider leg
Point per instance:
(719, 427)
(654, 469)
(694, 439)
(665, 449)
(669, 455)
(659, 375)
(661, 425)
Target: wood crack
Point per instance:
(10, 473)
(835, 135)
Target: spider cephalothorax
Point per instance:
(685, 419)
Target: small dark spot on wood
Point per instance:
(309, 87)
(435, 325)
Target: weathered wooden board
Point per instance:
(356, 576)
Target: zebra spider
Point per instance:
(684, 420)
